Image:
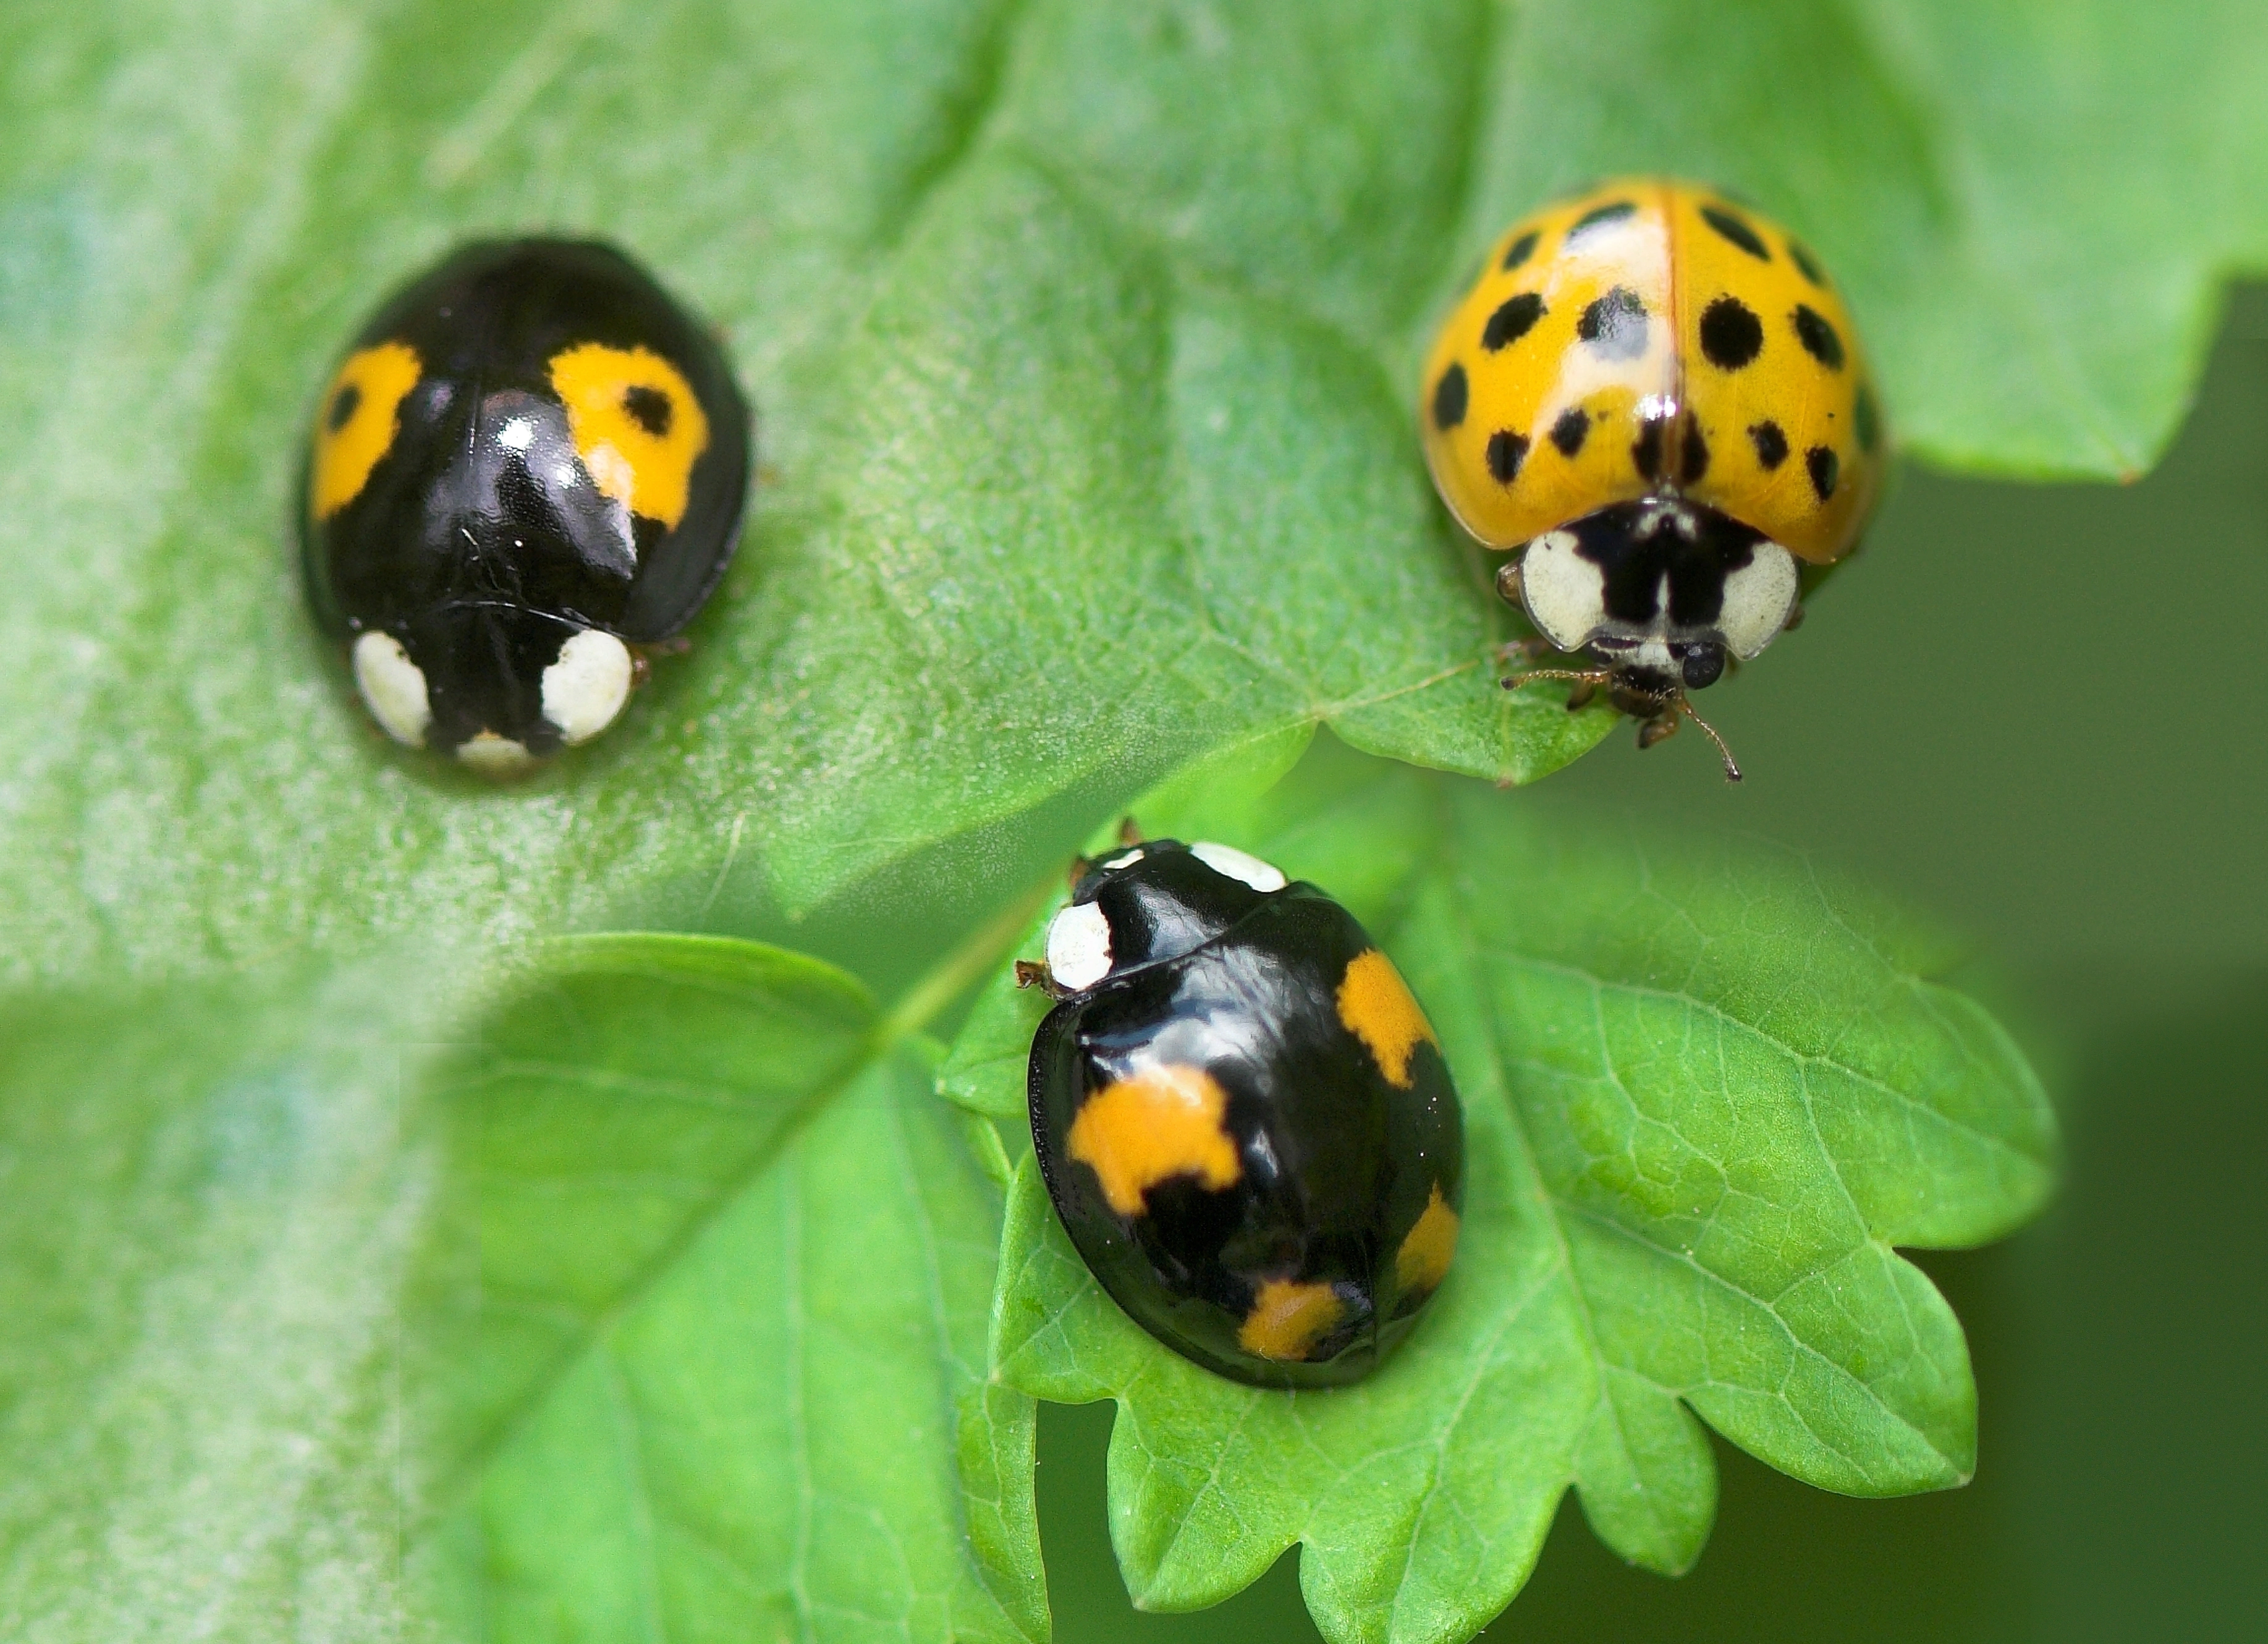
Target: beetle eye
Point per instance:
(1704, 664)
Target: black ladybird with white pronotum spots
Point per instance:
(1243, 1116)
(530, 462)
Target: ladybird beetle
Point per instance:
(1242, 1115)
(531, 461)
(1658, 396)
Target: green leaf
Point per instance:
(1083, 339)
(1706, 1094)
(659, 1306)
(723, 1364)
(215, 1202)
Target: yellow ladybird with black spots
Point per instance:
(1655, 396)
(530, 462)
(1242, 1115)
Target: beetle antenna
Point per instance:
(1731, 770)
(1128, 833)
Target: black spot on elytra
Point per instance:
(1825, 468)
(1818, 337)
(1515, 318)
(1567, 433)
(1771, 443)
(1505, 451)
(1809, 264)
(1614, 324)
(1735, 230)
(1731, 334)
(1449, 398)
(1520, 251)
(1695, 458)
(345, 404)
(1599, 217)
(649, 407)
(1869, 419)
(1650, 449)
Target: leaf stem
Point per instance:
(982, 951)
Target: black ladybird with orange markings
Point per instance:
(530, 461)
(1243, 1116)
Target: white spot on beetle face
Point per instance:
(1232, 863)
(1125, 859)
(1758, 598)
(493, 755)
(1078, 947)
(586, 687)
(1653, 652)
(1564, 594)
(393, 687)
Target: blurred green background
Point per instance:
(2037, 710)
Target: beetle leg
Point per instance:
(1585, 678)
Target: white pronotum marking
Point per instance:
(586, 687)
(1566, 594)
(1078, 947)
(1226, 860)
(393, 687)
(1758, 599)
(493, 755)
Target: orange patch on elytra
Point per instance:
(1163, 1121)
(1288, 1318)
(358, 421)
(1379, 1009)
(635, 425)
(1423, 1261)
